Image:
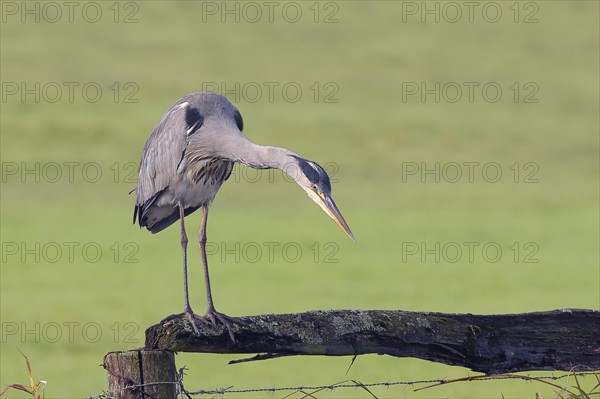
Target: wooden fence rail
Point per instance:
(555, 340)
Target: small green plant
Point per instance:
(36, 389)
(573, 392)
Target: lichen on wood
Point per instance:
(554, 340)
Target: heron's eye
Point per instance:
(314, 188)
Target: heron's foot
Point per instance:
(189, 314)
(227, 321)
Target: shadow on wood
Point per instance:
(555, 340)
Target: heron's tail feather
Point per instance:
(157, 219)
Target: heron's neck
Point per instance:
(259, 156)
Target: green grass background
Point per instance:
(369, 133)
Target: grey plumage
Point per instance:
(178, 161)
(190, 153)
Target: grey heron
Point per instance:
(189, 154)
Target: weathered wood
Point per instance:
(554, 340)
(141, 368)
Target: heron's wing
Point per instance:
(163, 152)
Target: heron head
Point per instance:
(315, 182)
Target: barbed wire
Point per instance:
(183, 393)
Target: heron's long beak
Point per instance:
(326, 203)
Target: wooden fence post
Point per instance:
(148, 373)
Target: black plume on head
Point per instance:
(315, 173)
(193, 119)
(238, 119)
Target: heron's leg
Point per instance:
(202, 241)
(184, 241)
(211, 312)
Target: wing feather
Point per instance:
(162, 154)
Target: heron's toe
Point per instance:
(227, 321)
(192, 319)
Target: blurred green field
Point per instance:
(66, 312)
